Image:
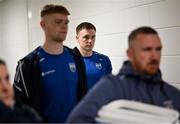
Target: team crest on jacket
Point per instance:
(98, 66)
(72, 67)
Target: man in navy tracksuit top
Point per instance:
(139, 79)
(96, 64)
(50, 79)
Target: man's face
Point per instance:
(6, 90)
(55, 26)
(145, 53)
(86, 39)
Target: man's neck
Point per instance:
(54, 48)
(85, 53)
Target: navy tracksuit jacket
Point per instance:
(127, 85)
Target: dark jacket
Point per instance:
(19, 113)
(127, 85)
(28, 81)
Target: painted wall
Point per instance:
(114, 19)
(14, 32)
(1, 31)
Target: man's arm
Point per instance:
(20, 86)
(104, 92)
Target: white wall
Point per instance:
(1, 32)
(14, 32)
(114, 19)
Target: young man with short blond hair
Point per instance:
(49, 78)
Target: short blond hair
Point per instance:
(51, 9)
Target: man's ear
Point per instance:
(129, 53)
(42, 24)
(77, 38)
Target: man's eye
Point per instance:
(159, 48)
(86, 37)
(147, 49)
(58, 22)
(67, 22)
(7, 78)
(94, 37)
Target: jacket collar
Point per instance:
(128, 70)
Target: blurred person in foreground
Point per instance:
(10, 111)
(139, 79)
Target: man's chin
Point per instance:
(152, 69)
(8, 102)
(152, 72)
(89, 49)
(60, 40)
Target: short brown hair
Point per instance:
(141, 30)
(2, 62)
(85, 25)
(51, 8)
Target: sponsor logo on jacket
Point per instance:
(47, 73)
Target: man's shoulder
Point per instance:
(112, 82)
(171, 88)
(30, 56)
(100, 55)
(69, 50)
(113, 79)
(66, 48)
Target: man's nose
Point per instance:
(90, 40)
(155, 54)
(64, 26)
(5, 85)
